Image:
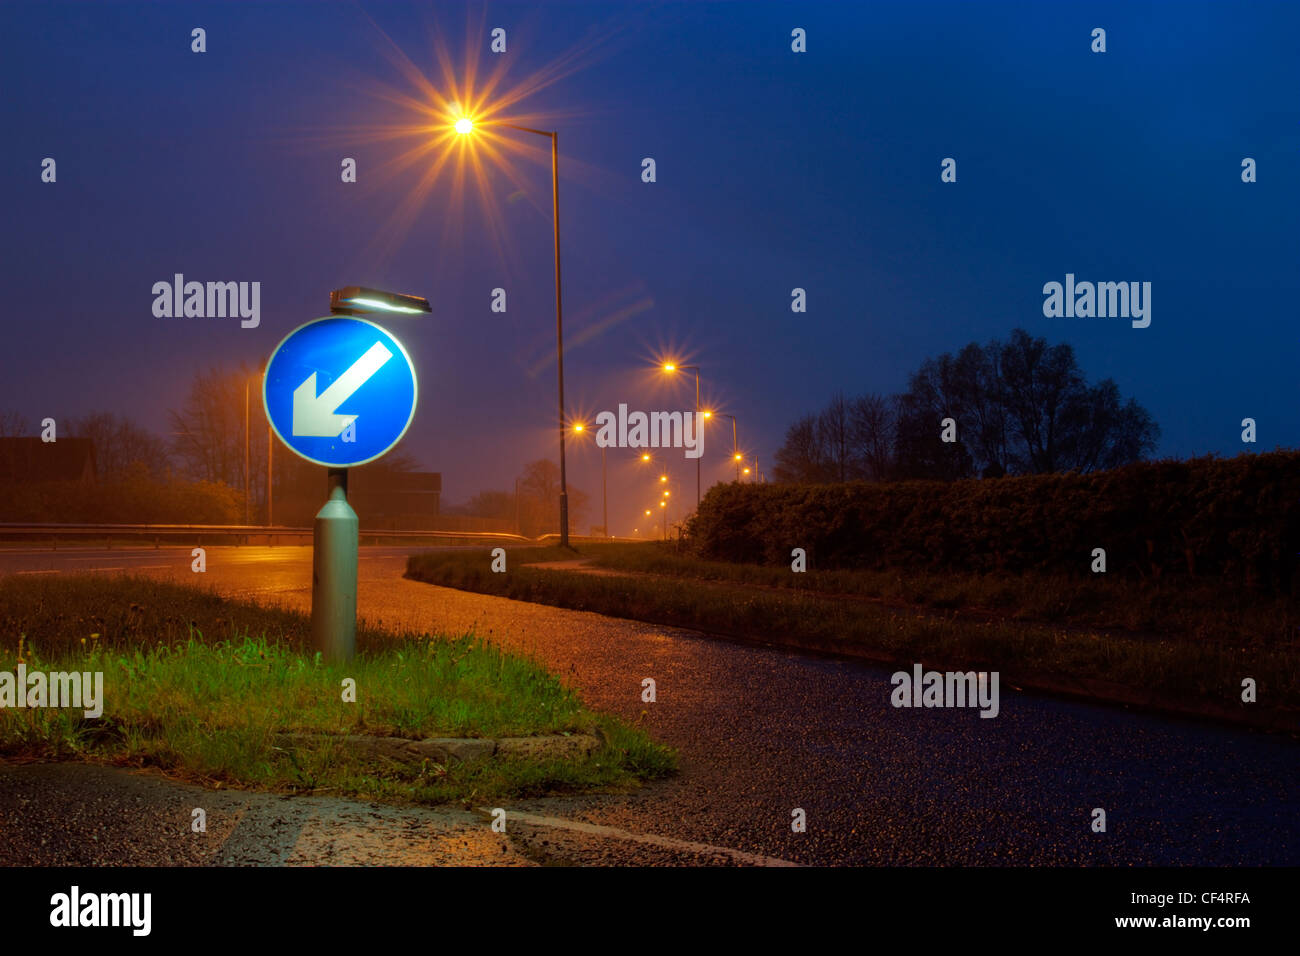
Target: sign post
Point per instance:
(339, 391)
(334, 573)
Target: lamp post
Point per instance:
(735, 444)
(464, 125)
(246, 475)
(669, 367)
(604, 485)
(269, 446)
(261, 371)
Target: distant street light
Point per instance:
(465, 126)
(735, 445)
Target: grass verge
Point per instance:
(1178, 647)
(200, 687)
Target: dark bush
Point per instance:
(1236, 518)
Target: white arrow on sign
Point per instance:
(314, 415)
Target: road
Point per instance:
(764, 731)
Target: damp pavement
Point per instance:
(762, 732)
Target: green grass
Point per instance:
(1187, 609)
(1191, 644)
(200, 687)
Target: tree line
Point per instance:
(1017, 407)
(196, 472)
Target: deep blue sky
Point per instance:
(775, 170)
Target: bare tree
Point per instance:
(872, 428)
(802, 457)
(120, 444)
(13, 424)
(539, 490)
(835, 428)
(208, 430)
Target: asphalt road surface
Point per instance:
(763, 732)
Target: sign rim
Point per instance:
(415, 391)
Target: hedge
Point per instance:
(1238, 518)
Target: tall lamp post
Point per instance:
(261, 373)
(669, 367)
(465, 126)
(247, 519)
(735, 444)
(604, 484)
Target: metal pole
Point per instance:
(699, 427)
(604, 492)
(268, 474)
(246, 474)
(735, 447)
(334, 573)
(559, 335)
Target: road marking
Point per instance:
(753, 859)
(51, 571)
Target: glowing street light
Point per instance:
(736, 456)
(356, 300)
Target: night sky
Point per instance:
(775, 169)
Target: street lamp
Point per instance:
(604, 484)
(357, 300)
(669, 367)
(735, 445)
(465, 126)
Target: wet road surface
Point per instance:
(763, 732)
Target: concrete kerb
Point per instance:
(444, 750)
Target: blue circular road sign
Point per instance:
(339, 391)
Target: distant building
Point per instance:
(26, 460)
